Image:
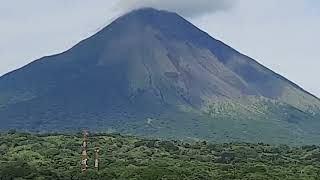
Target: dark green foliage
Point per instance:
(28, 156)
(16, 169)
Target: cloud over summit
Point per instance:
(188, 8)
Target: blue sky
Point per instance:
(282, 35)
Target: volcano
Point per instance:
(153, 73)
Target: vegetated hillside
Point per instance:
(30, 156)
(153, 73)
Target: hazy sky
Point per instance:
(283, 35)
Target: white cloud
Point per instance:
(187, 8)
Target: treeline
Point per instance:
(31, 156)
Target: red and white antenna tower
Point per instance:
(84, 161)
(96, 158)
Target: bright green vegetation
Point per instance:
(30, 156)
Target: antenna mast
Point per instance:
(96, 158)
(84, 161)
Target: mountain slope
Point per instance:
(153, 73)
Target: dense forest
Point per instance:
(57, 156)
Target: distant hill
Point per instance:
(153, 73)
